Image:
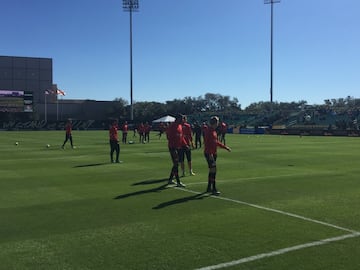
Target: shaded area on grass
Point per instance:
(141, 192)
(199, 196)
(151, 181)
(90, 165)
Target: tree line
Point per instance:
(225, 106)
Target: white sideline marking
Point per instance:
(279, 252)
(276, 211)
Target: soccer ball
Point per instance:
(16, 143)
(48, 145)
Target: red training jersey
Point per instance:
(141, 128)
(68, 128)
(223, 127)
(125, 128)
(175, 136)
(211, 142)
(113, 133)
(187, 133)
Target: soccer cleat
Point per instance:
(209, 190)
(192, 173)
(215, 192)
(171, 182)
(179, 184)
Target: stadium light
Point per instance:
(272, 2)
(131, 6)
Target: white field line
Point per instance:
(279, 252)
(275, 211)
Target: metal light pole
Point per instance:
(272, 2)
(131, 6)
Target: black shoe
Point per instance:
(171, 182)
(215, 192)
(179, 184)
(209, 190)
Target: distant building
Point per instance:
(35, 75)
(26, 74)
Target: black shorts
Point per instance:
(185, 151)
(211, 160)
(113, 144)
(68, 136)
(174, 153)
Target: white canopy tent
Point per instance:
(165, 119)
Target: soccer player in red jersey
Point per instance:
(68, 134)
(211, 143)
(141, 131)
(147, 129)
(162, 128)
(114, 142)
(204, 127)
(186, 151)
(176, 142)
(125, 129)
(223, 130)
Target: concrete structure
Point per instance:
(26, 74)
(35, 74)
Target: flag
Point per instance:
(60, 92)
(48, 92)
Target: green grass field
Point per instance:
(286, 203)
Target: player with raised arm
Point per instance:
(211, 143)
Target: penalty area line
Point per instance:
(279, 252)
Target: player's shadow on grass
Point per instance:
(199, 196)
(90, 165)
(141, 192)
(151, 181)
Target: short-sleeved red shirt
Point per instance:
(113, 133)
(175, 136)
(211, 142)
(68, 128)
(187, 133)
(125, 128)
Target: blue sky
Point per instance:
(187, 48)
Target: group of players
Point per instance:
(180, 142)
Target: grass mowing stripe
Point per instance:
(275, 211)
(280, 252)
(59, 208)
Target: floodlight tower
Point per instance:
(272, 2)
(131, 6)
